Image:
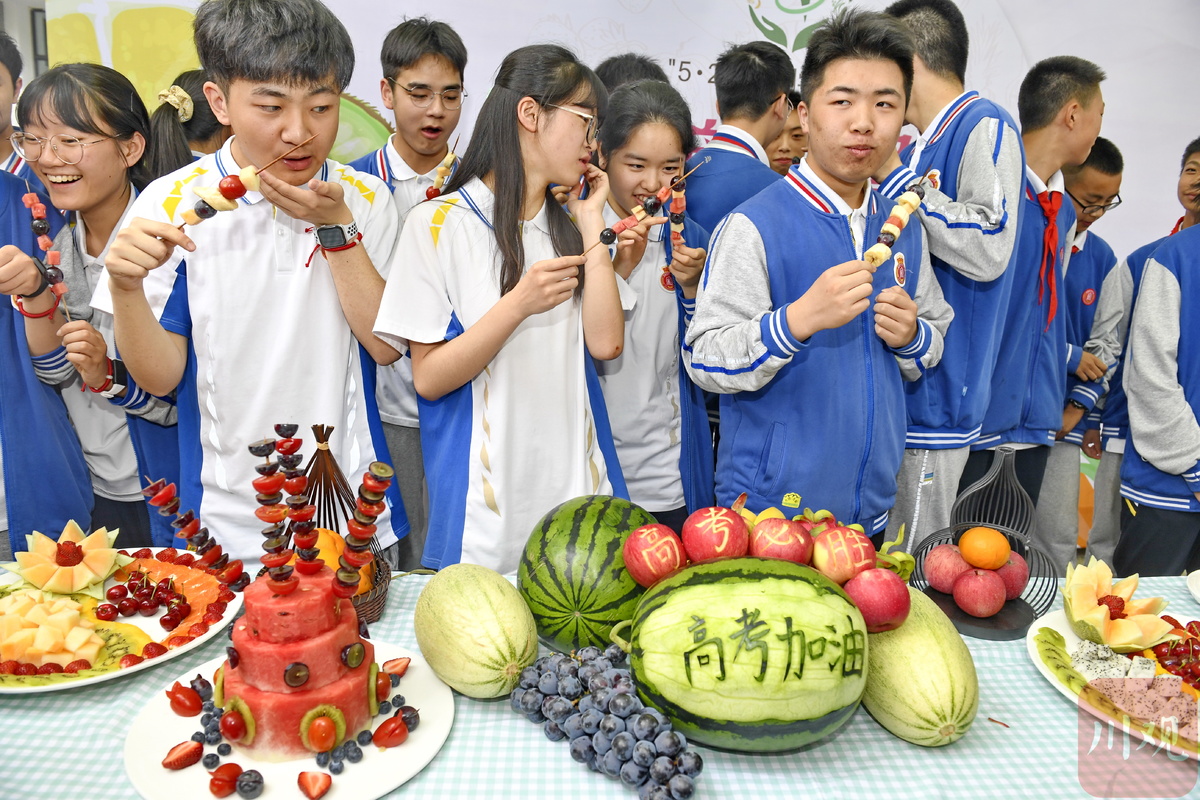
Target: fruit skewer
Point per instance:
(51, 274)
(208, 554)
(906, 205)
(360, 528)
(648, 208)
(224, 197)
(443, 172)
(269, 487)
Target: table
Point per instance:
(67, 745)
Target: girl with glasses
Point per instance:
(86, 133)
(659, 422)
(502, 316)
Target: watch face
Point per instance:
(331, 236)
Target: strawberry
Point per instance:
(68, 555)
(178, 641)
(224, 780)
(197, 629)
(1116, 606)
(143, 553)
(25, 669)
(129, 660)
(9, 667)
(218, 606)
(225, 595)
(314, 784)
(183, 755)
(74, 666)
(153, 650)
(397, 666)
(185, 559)
(212, 617)
(49, 668)
(168, 555)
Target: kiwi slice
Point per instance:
(1049, 634)
(323, 710)
(239, 705)
(218, 697)
(372, 700)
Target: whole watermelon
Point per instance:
(750, 654)
(572, 573)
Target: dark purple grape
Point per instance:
(205, 211)
(888, 238)
(286, 430)
(262, 448)
(54, 275)
(40, 227)
(677, 218)
(267, 468)
(607, 236)
(918, 189)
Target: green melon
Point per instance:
(572, 573)
(750, 654)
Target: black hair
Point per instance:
(864, 35)
(1105, 158)
(750, 77)
(1189, 151)
(413, 39)
(939, 34)
(550, 74)
(10, 57)
(292, 42)
(1051, 84)
(94, 99)
(616, 71)
(173, 138)
(793, 96)
(640, 103)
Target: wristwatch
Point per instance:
(120, 380)
(337, 237)
(1073, 402)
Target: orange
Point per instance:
(986, 548)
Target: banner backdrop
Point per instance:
(1148, 49)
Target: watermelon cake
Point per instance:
(295, 658)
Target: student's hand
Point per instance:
(888, 167)
(837, 296)
(140, 247)
(1090, 368)
(560, 193)
(1071, 416)
(322, 203)
(548, 283)
(87, 350)
(597, 181)
(1091, 443)
(18, 273)
(687, 267)
(895, 317)
(631, 245)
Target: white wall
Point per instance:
(18, 25)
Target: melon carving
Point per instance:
(1106, 613)
(75, 564)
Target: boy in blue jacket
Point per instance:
(797, 332)
(1060, 106)
(971, 152)
(10, 88)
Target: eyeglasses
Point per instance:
(1095, 210)
(593, 122)
(68, 149)
(423, 97)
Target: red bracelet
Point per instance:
(16, 301)
(108, 381)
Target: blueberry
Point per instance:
(385, 708)
(364, 738)
(336, 767)
(354, 756)
(250, 784)
(198, 736)
(212, 737)
(323, 759)
(204, 720)
(224, 749)
(395, 679)
(208, 706)
(338, 753)
(211, 760)
(398, 700)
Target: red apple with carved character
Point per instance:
(653, 552)
(715, 532)
(840, 553)
(781, 538)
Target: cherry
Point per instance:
(128, 607)
(117, 593)
(182, 608)
(147, 607)
(106, 612)
(170, 621)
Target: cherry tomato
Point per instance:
(296, 485)
(383, 686)
(233, 726)
(184, 700)
(391, 732)
(322, 734)
(268, 484)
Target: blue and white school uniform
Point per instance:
(738, 169)
(18, 166)
(529, 431)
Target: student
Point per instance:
(248, 315)
(1160, 478)
(184, 126)
(658, 418)
(798, 333)
(34, 427)
(85, 131)
(626, 68)
(10, 87)
(422, 85)
(500, 313)
(1060, 106)
(1094, 189)
(752, 82)
(1108, 341)
(792, 143)
(971, 153)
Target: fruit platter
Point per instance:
(78, 611)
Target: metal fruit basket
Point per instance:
(1014, 619)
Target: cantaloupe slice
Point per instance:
(49, 566)
(100, 562)
(71, 532)
(1139, 629)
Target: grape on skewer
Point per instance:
(906, 204)
(649, 207)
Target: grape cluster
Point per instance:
(589, 700)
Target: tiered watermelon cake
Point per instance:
(295, 658)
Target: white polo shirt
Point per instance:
(520, 438)
(641, 386)
(267, 340)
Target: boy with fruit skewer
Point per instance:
(797, 331)
(971, 152)
(423, 65)
(1061, 107)
(248, 316)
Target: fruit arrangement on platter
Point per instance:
(1106, 613)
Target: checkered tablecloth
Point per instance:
(68, 745)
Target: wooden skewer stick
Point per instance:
(260, 170)
(680, 179)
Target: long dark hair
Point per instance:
(550, 74)
(640, 103)
(94, 99)
(173, 138)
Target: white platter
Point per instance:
(1193, 584)
(156, 729)
(148, 624)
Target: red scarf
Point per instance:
(1051, 202)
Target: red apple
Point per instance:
(840, 553)
(943, 564)
(715, 532)
(781, 538)
(979, 592)
(1015, 574)
(881, 596)
(652, 553)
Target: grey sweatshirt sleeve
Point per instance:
(1111, 322)
(736, 341)
(976, 230)
(934, 316)
(1161, 421)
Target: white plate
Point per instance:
(1057, 620)
(148, 624)
(156, 729)
(1193, 584)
